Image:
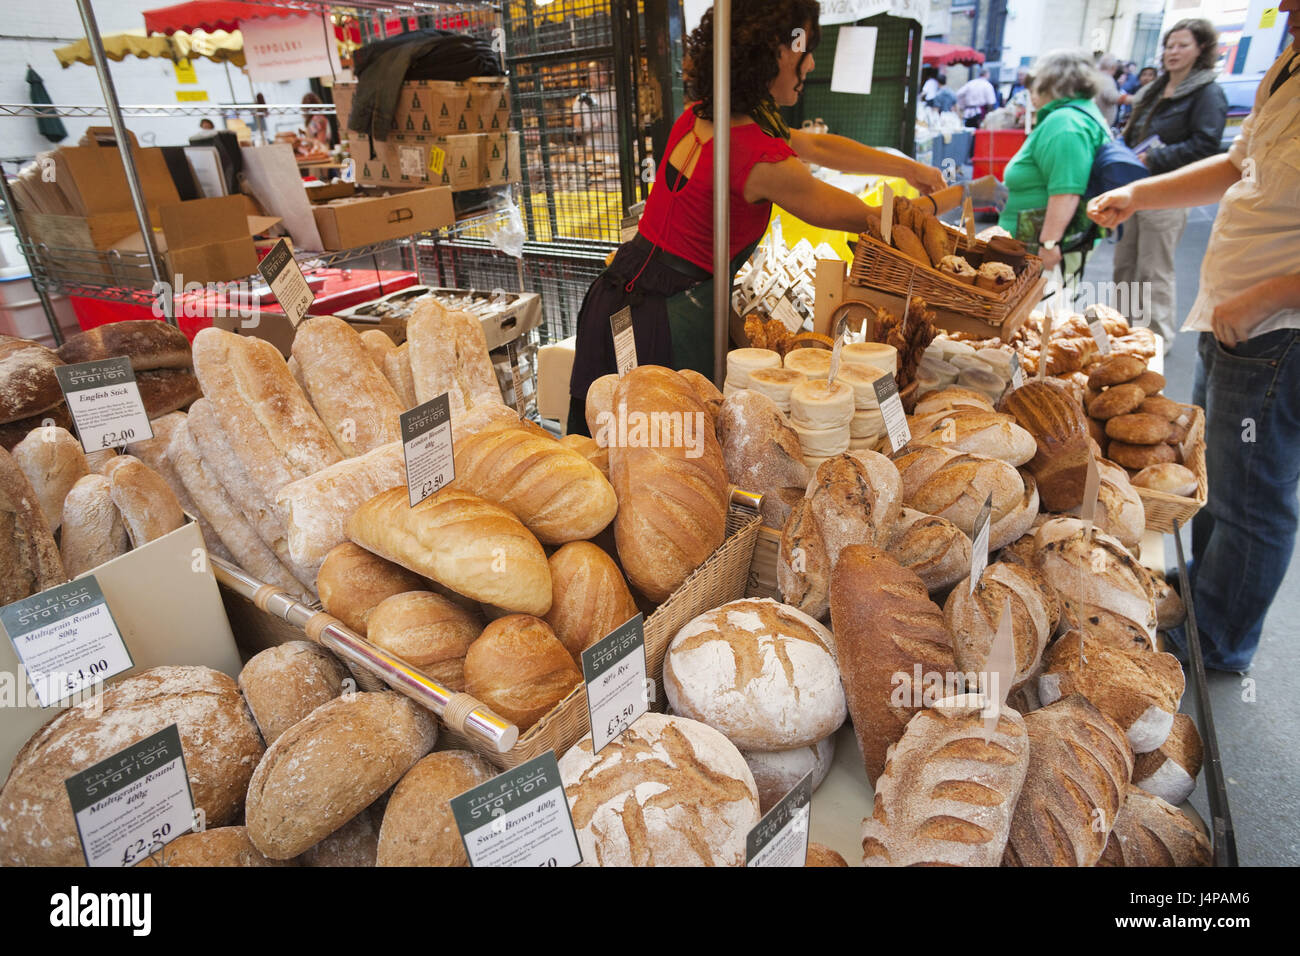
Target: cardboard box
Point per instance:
(361, 220)
(429, 108)
(210, 240)
(93, 180)
(501, 158)
(467, 162)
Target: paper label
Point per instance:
(133, 803)
(1090, 489)
(979, 552)
(191, 96)
(615, 671)
(288, 284)
(426, 443)
(968, 217)
(185, 72)
(836, 356)
(516, 383)
(1001, 670)
(105, 403)
(1101, 336)
(66, 639)
(787, 314)
(1017, 373)
(437, 157)
(348, 173)
(518, 818)
(781, 837)
(891, 408)
(624, 340)
(887, 214)
(1045, 339)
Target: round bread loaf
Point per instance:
(1166, 408)
(352, 582)
(419, 828)
(819, 855)
(816, 404)
(285, 683)
(740, 362)
(1138, 428)
(777, 772)
(353, 844)
(878, 355)
(1139, 456)
(1171, 478)
(973, 619)
(812, 363)
(330, 766)
(1115, 370)
(668, 792)
(223, 846)
(1117, 400)
(590, 597)
(1016, 523)
(519, 669)
(1170, 770)
(427, 631)
(1120, 512)
(218, 738)
(954, 396)
(1153, 383)
(991, 434)
(934, 548)
(28, 384)
(762, 673)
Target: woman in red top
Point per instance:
(665, 274)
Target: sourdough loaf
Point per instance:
(53, 462)
(28, 385)
(934, 548)
(589, 597)
(777, 772)
(972, 618)
(760, 449)
(1151, 832)
(1170, 771)
(285, 683)
(1060, 432)
(419, 828)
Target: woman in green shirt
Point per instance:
(1048, 176)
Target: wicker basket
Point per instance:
(1163, 509)
(762, 570)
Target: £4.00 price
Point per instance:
(83, 674)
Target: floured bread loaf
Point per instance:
(92, 527)
(934, 548)
(448, 353)
(777, 772)
(990, 434)
(1170, 771)
(761, 451)
(955, 486)
(973, 618)
(285, 683)
(28, 554)
(1151, 832)
(53, 462)
(802, 569)
(354, 844)
(950, 398)
(419, 828)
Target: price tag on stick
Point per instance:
(1000, 670)
(620, 324)
(133, 803)
(1099, 333)
(615, 671)
(979, 552)
(105, 403)
(1045, 340)
(1017, 373)
(968, 217)
(891, 409)
(886, 214)
(781, 837)
(66, 639)
(1090, 490)
(427, 445)
(288, 284)
(518, 818)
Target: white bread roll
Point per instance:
(53, 462)
(818, 404)
(740, 362)
(148, 506)
(519, 668)
(427, 631)
(811, 363)
(778, 772)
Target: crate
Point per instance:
(1163, 509)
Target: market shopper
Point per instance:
(976, 98)
(664, 274)
(1248, 376)
(1180, 116)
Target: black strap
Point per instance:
(1285, 74)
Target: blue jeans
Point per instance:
(1242, 540)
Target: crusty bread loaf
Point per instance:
(379, 345)
(154, 452)
(397, 369)
(955, 486)
(354, 844)
(667, 792)
(519, 669)
(223, 846)
(1138, 457)
(93, 532)
(330, 766)
(803, 570)
(218, 738)
(947, 399)
(1139, 428)
(164, 390)
(762, 673)
(1120, 512)
(27, 551)
(149, 507)
(419, 828)
(972, 619)
(53, 462)
(933, 547)
(1151, 832)
(672, 499)
(353, 581)
(28, 385)
(589, 597)
(1079, 768)
(1171, 769)
(981, 433)
(705, 389)
(448, 353)
(14, 432)
(1115, 369)
(1169, 477)
(885, 625)
(1020, 520)
(348, 391)
(856, 500)
(777, 772)
(949, 788)
(285, 683)
(1060, 431)
(599, 408)
(819, 855)
(460, 540)
(148, 343)
(588, 449)
(427, 631)
(759, 448)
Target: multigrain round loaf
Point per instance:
(352, 582)
(285, 683)
(427, 631)
(218, 738)
(519, 669)
(330, 766)
(762, 673)
(353, 844)
(777, 772)
(223, 846)
(419, 828)
(668, 792)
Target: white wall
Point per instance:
(137, 81)
(1035, 27)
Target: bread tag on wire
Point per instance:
(1091, 488)
(1000, 670)
(886, 214)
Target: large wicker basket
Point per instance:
(1163, 509)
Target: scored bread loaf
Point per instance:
(397, 369)
(1151, 832)
(285, 683)
(1171, 769)
(1079, 768)
(803, 569)
(28, 385)
(933, 547)
(352, 582)
(973, 617)
(955, 486)
(148, 343)
(427, 631)
(28, 553)
(519, 669)
(949, 788)
(705, 389)
(14, 432)
(53, 462)
(222, 846)
(93, 532)
(470, 545)
(777, 772)
(864, 482)
(981, 433)
(448, 353)
(419, 828)
(330, 766)
(1060, 431)
(589, 597)
(760, 449)
(1120, 512)
(149, 507)
(154, 452)
(588, 449)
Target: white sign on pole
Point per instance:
(855, 60)
(289, 48)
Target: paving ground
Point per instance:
(1257, 718)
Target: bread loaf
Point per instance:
(803, 569)
(760, 450)
(165, 390)
(1151, 832)
(53, 462)
(1079, 767)
(397, 369)
(218, 738)
(154, 453)
(419, 828)
(285, 683)
(934, 548)
(588, 449)
(778, 772)
(1120, 512)
(886, 628)
(989, 434)
(950, 398)
(1060, 463)
(379, 345)
(93, 532)
(949, 788)
(353, 581)
(354, 844)
(705, 389)
(1170, 771)
(28, 385)
(848, 506)
(148, 343)
(667, 792)
(448, 353)
(330, 766)
(599, 408)
(468, 544)
(973, 618)
(14, 432)
(955, 486)
(1139, 428)
(149, 508)
(27, 551)
(1020, 520)
(819, 855)
(519, 669)
(1171, 478)
(589, 597)
(223, 846)
(428, 632)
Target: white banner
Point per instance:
(289, 48)
(833, 11)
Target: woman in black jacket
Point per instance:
(1177, 119)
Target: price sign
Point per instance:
(1017, 373)
(979, 552)
(615, 671)
(968, 216)
(1100, 335)
(519, 818)
(426, 443)
(781, 837)
(886, 214)
(66, 639)
(287, 282)
(134, 803)
(1001, 670)
(105, 403)
(891, 408)
(620, 324)
(516, 383)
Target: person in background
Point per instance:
(1184, 110)
(1145, 76)
(1248, 376)
(317, 124)
(206, 124)
(944, 99)
(595, 117)
(976, 98)
(1108, 92)
(931, 85)
(1021, 85)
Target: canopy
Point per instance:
(946, 54)
(211, 15)
(218, 47)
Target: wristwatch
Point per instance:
(1048, 244)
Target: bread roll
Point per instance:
(53, 462)
(1117, 400)
(218, 738)
(1060, 463)
(519, 669)
(778, 772)
(285, 683)
(1115, 369)
(672, 499)
(1079, 767)
(223, 846)
(668, 792)
(589, 597)
(397, 369)
(973, 618)
(149, 508)
(428, 632)
(949, 788)
(419, 828)
(599, 409)
(154, 452)
(461, 541)
(27, 551)
(885, 627)
(352, 582)
(1170, 771)
(330, 766)
(760, 450)
(1139, 428)
(93, 532)
(1166, 408)
(1139, 456)
(1170, 478)
(148, 343)
(803, 568)
(1150, 832)
(28, 385)
(934, 548)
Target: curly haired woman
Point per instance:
(665, 273)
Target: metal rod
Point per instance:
(721, 186)
(25, 243)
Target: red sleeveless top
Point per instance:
(686, 230)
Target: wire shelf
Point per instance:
(72, 111)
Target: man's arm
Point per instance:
(849, 156)
(1199, 184)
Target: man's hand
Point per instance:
(1051, 258)
(1235, 318)
(1111, 208)
(927, 179)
